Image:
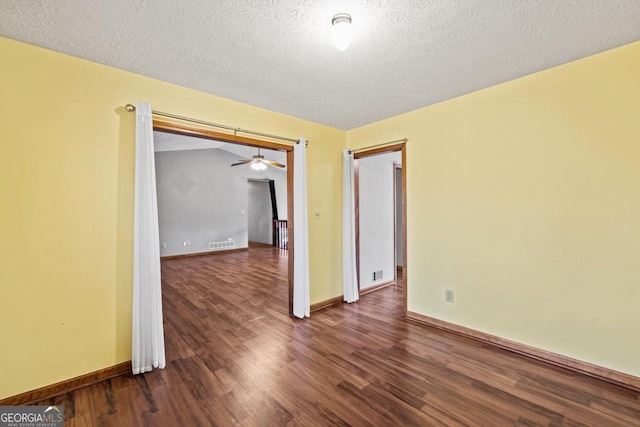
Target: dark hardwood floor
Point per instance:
(235, 357)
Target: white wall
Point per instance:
(201, 199)
(376, 217)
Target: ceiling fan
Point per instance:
(259, 163)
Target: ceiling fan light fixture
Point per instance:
(341, 31)
(258, 166)
(259, 163)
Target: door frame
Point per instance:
(198, 132)
(402, 148)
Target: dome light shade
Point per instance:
(341, 33)
(259, 166)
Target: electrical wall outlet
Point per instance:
(448, 295)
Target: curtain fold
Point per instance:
(301, 304)
(349, 273)
(148, 333)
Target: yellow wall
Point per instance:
(66, 197)
(524, 199)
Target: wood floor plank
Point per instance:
(236, 358)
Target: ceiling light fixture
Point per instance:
(341, 30)
(259, 163)
(258, 166)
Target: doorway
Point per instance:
(259, 212)
(380, 206)
(398, 223)
(238, 214)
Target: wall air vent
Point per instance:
(377, 275)
(216, 246)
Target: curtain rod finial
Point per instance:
(130, 108)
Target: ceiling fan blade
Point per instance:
(243, 162)
(272, 163)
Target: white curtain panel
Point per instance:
(349, 275)
(148, 332)
(301, 305)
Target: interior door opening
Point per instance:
(261, 211)
(398, 224)
(219, 218)
(380, 206)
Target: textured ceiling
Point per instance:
(279, 55)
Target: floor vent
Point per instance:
(377, 275)
(221, 245)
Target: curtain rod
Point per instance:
(131, 108)
(379, 145)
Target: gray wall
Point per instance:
(202, 199)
